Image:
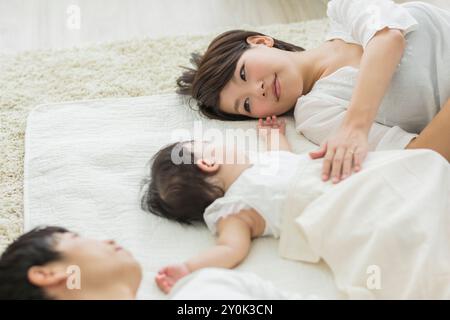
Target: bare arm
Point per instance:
(436, 134)
(378, 64)
(235, 233)
(347, 148)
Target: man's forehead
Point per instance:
(64, 235)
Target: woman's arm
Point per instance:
(348, 146)
(436, 135)
(235, 233)
(378, 64)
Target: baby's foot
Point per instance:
(168, 276)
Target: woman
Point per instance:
(381, 80)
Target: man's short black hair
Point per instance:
(34, 248)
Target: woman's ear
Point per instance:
(45, 276)
(258, 40)
(207, 165)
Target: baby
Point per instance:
(238, 201)
(376, 219)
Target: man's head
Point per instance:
(41, 263)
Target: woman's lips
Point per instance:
(276, 88)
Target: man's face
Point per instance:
(99, 261)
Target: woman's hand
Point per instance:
(347, 148)
(168, 276)
(343, 152)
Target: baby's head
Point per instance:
(182, 183)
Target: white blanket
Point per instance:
(385, 233)
(84, 162)
(219, 284)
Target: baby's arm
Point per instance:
(274, 128)
(235, 233)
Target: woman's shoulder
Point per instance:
(346, 8)
(336, 85)
(357, 21)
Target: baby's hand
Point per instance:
(168, 276)
(272, 123)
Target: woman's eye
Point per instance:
(247, 105)
(242, 73)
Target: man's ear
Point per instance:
(207, 165)
(46, 276)
(260, 40)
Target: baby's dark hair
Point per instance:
(178, 191)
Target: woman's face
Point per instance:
(265, 82)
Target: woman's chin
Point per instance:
(284, 110)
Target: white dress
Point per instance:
(224, 284)
(263, 187)
(419, 87)
(384, 232)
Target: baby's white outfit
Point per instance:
(263, 187)
(393, 216)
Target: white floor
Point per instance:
(39, 24)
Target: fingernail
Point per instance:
(344, 176)
(335, 180)
(324, 177)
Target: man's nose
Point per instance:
(110, 241)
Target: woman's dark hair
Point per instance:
(34, 248)
(215, 68)
(178, 191)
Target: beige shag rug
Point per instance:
(131, 68)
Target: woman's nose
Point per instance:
(262, 89)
